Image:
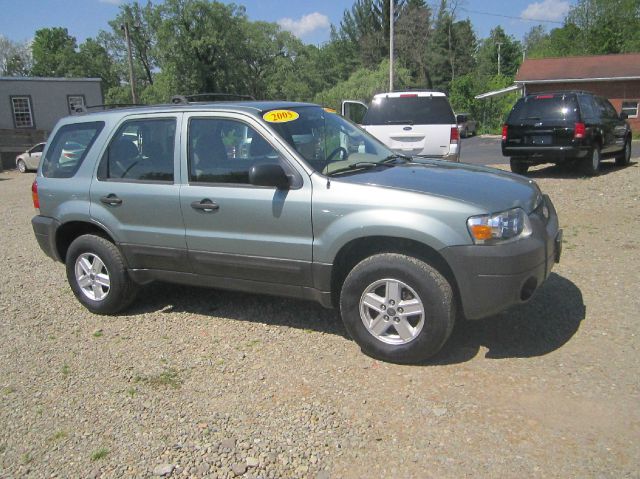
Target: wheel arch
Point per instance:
(360, 248)
(69, 231)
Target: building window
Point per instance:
(22, 114)
(630, 107)
(76, 103)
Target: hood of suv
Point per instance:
(488, 188)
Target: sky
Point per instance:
(310, 20)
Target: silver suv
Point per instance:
(289, 199)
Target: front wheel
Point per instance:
(518, 166)
(624, 158)
(97, 275)
(397, 308)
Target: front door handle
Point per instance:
(111, 200)
(205, 205)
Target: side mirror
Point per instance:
(269, 174)
(623, 115)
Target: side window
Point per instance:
(141, 150)
(587, 108)
(223, 151)
(69, 148)
(37, 149)
(611, 111)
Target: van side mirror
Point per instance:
(269, 174)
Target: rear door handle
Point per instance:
(111, 200)
(205, 205)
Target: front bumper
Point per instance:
(493, 278)
(45, 231)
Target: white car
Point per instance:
(30, 159)
(415, 123)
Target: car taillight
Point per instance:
(579, 131)
(34, 195)
(455, 135)
(505, 130)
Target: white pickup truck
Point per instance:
(415, 123)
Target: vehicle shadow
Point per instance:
(532, 329)
(568, 171)
(231, 305)
(536, 328)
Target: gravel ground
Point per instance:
(204, 383)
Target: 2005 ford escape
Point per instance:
(289, 199)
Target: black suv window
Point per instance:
(545, 107)
(141, 150)
(413, 110)
(587, 107)
(69, 148)
(223, 151)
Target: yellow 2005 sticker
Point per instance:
(280, 116)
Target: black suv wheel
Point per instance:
(518, 166)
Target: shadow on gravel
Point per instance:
(535, 328)
(569, 171)
(229, 305)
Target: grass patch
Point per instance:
(26, 458)
(3, 447)
(253, 343)
(131, 392)
(98, 333)
(99, 454)
(8, 390)
(58, 435)
(66, 370)
(167, 378)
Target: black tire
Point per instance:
(624, 158)
(432, 328)
(121, 290)
(22, 166)
(518, 166)
(590, 166)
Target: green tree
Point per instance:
(510, 54)
(54, 53)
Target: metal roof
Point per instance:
(584, 68)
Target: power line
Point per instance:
(510, 16)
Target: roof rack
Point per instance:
(105, 106)
(209, 97)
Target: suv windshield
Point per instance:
(331, 144)
(412, 110)
(545, 107)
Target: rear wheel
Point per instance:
(97, 275)
(591, 165)
(518, 166)
(624, 158)
(397, 308)
(22, 166)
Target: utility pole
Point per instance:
(132, 81)
(499, 45)
(391, 45)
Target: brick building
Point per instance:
(615, 77)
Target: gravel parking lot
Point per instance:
(205, 383)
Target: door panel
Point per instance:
(249, 232)
(135, 197)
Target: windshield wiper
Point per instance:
(394, 157)
(359, 165)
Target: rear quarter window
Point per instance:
(69, 148)
(545, 108)
(416, 110)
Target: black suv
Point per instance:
(565, 126)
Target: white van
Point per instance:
(416, 123)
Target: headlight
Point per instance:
(499, 227)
